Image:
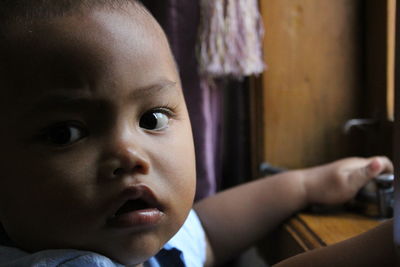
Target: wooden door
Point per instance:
(313, 49)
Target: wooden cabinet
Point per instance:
(313, 49)
(328, 62)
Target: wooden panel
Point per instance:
(379, 74)
(312, 85)
(376, 46)
(334, 228)
(391, 25)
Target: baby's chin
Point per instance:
(133, 254)
(131, 258)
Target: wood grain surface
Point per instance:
(329, 229)
(313, 82)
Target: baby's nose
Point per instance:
(124, 160)
(131, 161)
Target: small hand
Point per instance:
(339, 181)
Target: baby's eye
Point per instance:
(155, 120)
(64, 134)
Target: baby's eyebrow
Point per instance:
(76, 99)
(164, 86)
(57, 101)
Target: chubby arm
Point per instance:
(236, 218)
(372, 248)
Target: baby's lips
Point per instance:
(139, 219)
(139, 193)
(137, 208)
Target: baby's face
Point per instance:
(96, 143)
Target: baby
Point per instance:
(98, 165)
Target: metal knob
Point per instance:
(385, 194)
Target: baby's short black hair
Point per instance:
(14, 12)
(28, 10)
(45, 8)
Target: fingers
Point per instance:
(370, 169)
(379, 165)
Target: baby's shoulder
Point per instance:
(14, 257)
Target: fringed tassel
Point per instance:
(230, 38)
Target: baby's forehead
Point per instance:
(83, 32)
(129, 12)
(87, 44)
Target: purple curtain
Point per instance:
(180, 20)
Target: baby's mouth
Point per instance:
(139, 208)
(132, 205)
